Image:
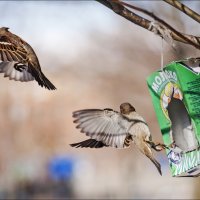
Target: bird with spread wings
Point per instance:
(109, 128)
(18, 60)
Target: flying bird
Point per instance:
(18, 60)
(109, 128)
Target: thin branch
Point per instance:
(124, 12)
(183, 8)
(121, 10)
(189, 39)
(105, 3)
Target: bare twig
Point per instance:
(184, 8)
(186, 38)
(121, 10)
(124, 12)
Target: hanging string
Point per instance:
(162, 59)
(162, 70)
(162, 55)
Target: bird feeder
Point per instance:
(175, 92)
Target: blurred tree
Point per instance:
(158, 26)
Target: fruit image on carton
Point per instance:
(175, 93)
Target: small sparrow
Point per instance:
(18, 60)
(109, 128)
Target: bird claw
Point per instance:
(172, 145)
(158, 146)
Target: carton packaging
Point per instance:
(175, 93)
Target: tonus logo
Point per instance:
(161, 79)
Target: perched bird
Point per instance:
(18, 60)
(110, 128)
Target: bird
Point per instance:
(110, 128)
(18, 60)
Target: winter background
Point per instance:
(96, 59)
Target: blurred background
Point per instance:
(96, 59)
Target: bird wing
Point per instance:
(11, 57)
(11, 52)
(108, 126)
(91, 143)
(33, 65)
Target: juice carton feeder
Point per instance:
(175, 93)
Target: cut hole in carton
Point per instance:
(192, 64)
(182, 132)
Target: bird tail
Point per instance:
(91, 143)
(146, 150)
(157, 164)
(46, 83)
(41, 79)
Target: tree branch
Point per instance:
(119, 8)
(183, 8)
(188, 39)
(105, 3)
(124, 12)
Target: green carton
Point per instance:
(175, 93)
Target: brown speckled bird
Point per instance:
(110, 128)
(18, 60)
